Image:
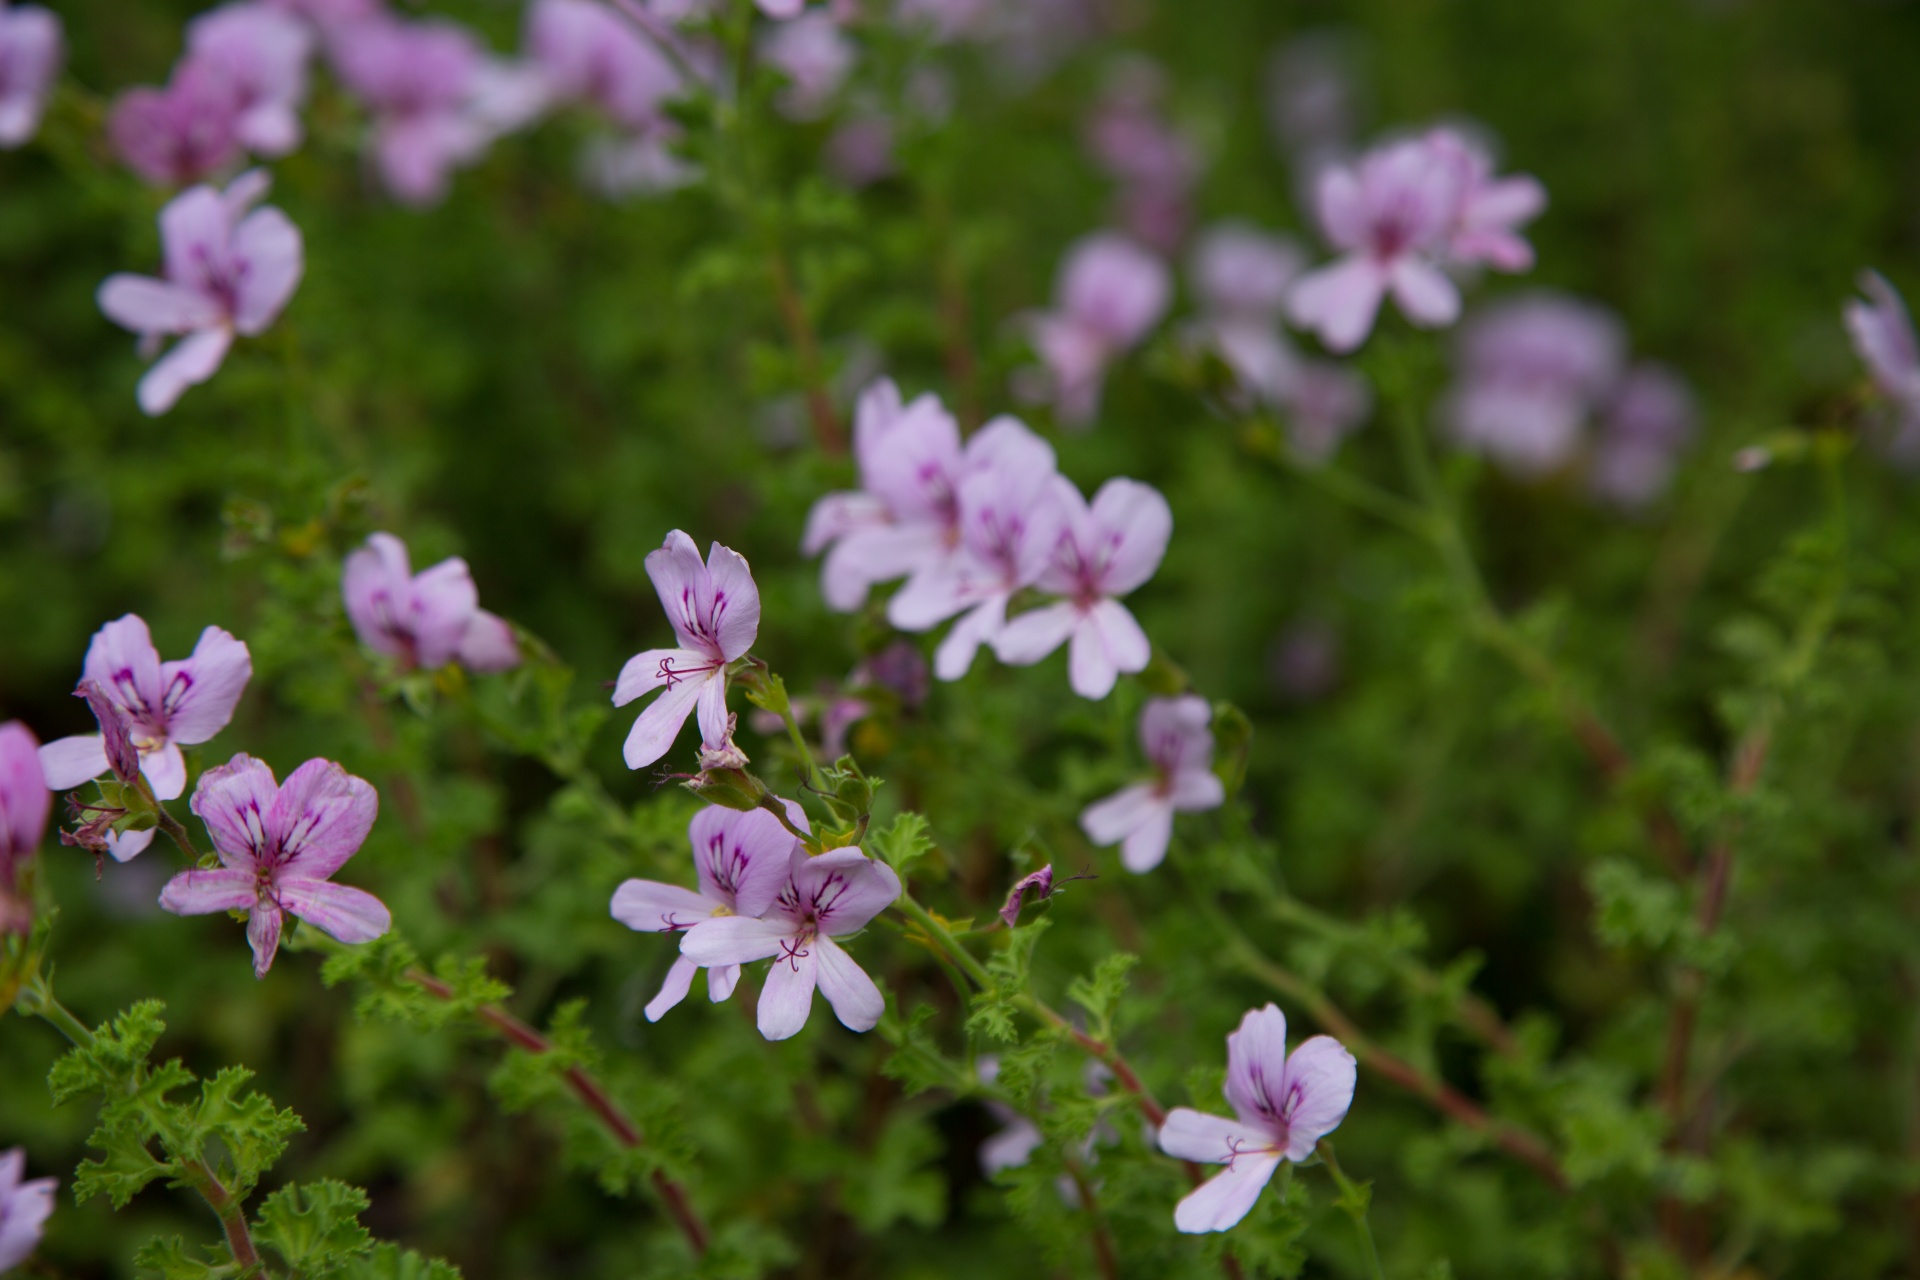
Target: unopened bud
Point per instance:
(122, 756)
(729, 788)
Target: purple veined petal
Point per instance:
(1176, 733)
(125, 846)
(856, 1001)
(721, 980)
(1339, 301)
(1425, 294)
(1225, 1198)
(1146, 845)
(200, 692)
(742, 859)
(1319, 1084)
(269, 258)
(1257, 1066)
(72, 762)
(376, 587)
(711, 710)
(1130, 524)
(837, 515)
(645, 672)
(199, 892)
(349, 914)
(842, 888)
(444, 601)
(1031, 636)
(192, 361)
(1195, 1135)
(735, 607)
(121, 659)
(1196, 789)
(1111, 820)
(685, 590)
(649, 906)
(25, 799)
(146, 305)
(659, 724)
(734, 940)
(1106, 641)
(674, 988)
(489, 645)
(321, 817)
(234, 800)
(787, 998)
(165, 770)
(954, 656)
(263, 935)
(194, 228)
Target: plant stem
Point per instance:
(36, 998)
(1354, 1199)
(1103, 1255)
(593, 1095)
(793, 313)
(168, 823)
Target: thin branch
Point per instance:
(793, 313)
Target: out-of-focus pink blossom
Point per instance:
(589, 53)
(1154, 162)
(1304, 662)
(715, 612)
(1883, 337)
(24, 1209)
(815, 56)
(1178, 740)
(1105, 551)
(229, 269)
(947, 19)
(279, 846)
(32, 47)
(183, 133)
(1646, 423)
(1283, 1104)
(1241, 272)
(327, 15)
(618, 167)
(161, 706)
(262, 54)
(1401, 213)
(24, 803)
(1532, 370)
(426, 619)
(1110, 293)
(860, 152)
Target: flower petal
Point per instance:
(200, 692)
(1111, 820)
(125, 846)
(1338, 301)
(192, 361)
(856, 1001)
(673, 990)
(1321, 1073)
(270, 258)
(1011, 1147)
(25, 798)
(1033, 635)
(349, 914)
(1128, 527)
(1146, 846)
(1226, 1197)
(711, 710)
(443, 602)
(651, 907)
(1256, 1064)
(843, 888)
(70, 762)
(742, 859)
(659, 724)
(1425, 294)
(734, 940)
(165, 770)
(684, 587)
(1195, 1135)
(787, 998)
(121, 659)
(734, 614)
(234, 800)
(647, 671)
(263, 935)
(146, 305)
(954, 656)
(199, 891)
(376, 586)
(321, 816)
(1106, 642)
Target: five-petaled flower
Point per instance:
(426, 619)
(1105, 551)
(278, 846)
(741, 861)
(822, 898)
(24, 802)
(1175, 735)
(227, 271)
(1283, 1103)
(1109, 295)
(715, 612)
(162, 705)
(24, 1209)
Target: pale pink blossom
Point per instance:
(262, 54)
(1647, 421)
(741, 861)
(589, 53)
(1110, 294)
(162, 705)
(1883, 337)
(1177, 737)
(860, 152)
(1283, 1104)
(24, 803)
(715, 612)
(1011, 516)
(32, 46)
(1486, 227)
(228, 269)
(426, 619)
(620, 166)
(824, 897)
(1155, 163)
(814, 55)
(1238, 271)
(24, 1209)
(185, 132)
(1105, 551)
(328, 15)
(279, 846)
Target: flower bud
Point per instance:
(122, 756)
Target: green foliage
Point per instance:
(314, 1228)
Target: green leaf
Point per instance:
(905, 841)
(391, 1262)
(315, 1228)
(1099, 992)
(166, 1257)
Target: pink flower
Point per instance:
(327, 15)
(589, 53)
(814, 56)
(742, 863)
(1883, 337)
(1109, 295)
(1155, 163)
(262, 55)
(1401, 213)
(279, 845)
(1647, 422)
(618, 167)
(824, 897)
(426, 619)
(183, 133)
(227, 271)
(1283, 1103)
(1106, 550)
(1533, 369)
(162, 705)
(1011, 516)
(24, 802)
(1242, 272)
(24, 1209)
(32, 47)
(715, 612)
(1176, 736)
